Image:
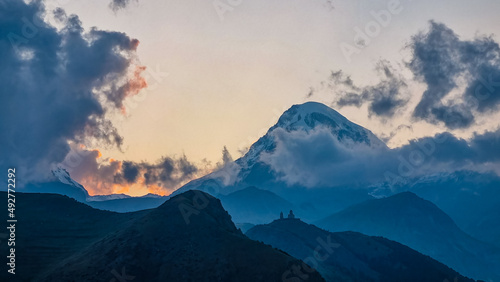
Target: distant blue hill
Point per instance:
(253, 205)
(421, 225)
(351, 256)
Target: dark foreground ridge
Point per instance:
(188, 238)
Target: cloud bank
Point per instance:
(58, 85)
(317, 159)
(104, 176)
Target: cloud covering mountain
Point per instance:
(318, 156)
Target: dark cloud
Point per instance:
(486, 146)
(169, 172)
(445, 63)
(96, 174)
(317, 158)
(58, 85)
(106, 176)
(116, 5)
(101, 176)
(383, 99)
(130, 171)
(462, 79)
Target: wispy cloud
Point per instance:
(384, 99)
(117, 5)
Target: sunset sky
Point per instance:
(222, 77)
(224, 82)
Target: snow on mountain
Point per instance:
(63, 176)
(310, 115)
(100, 198)
(151, 195)
(305, 117)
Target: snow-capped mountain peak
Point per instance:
(308, 117)
(311, 115)
(63, 176)
(301, 116)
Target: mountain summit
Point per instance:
(311, 115)
(306, 118)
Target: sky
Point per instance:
(220, 73)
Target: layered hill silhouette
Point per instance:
(128, 204)
(52, 227)
(421, 225)
(253, 190)
(470, 198)
(254, 205)
(351, 256)
(188, 238)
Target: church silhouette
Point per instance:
(290, 216)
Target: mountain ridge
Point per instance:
(351, 256)
(190, 237)
(421, 225)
